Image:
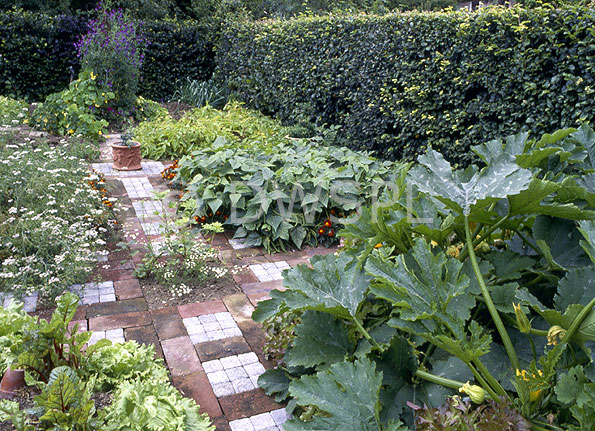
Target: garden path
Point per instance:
(213, 349)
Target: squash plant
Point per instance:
(287, 195)
(482, 275)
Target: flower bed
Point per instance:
(54, 215)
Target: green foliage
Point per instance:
(141, 406)
(53, 218)
(37, 55)
(75, 111)
(165, 138)
(431, 304)
(14, 324)
(12, 112)
(115, 363)
(65, 401)
(201, 93)
(292, 194)
(399, 83)
(69, 376)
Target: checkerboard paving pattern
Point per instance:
(211, 327)
(233, 374)
(139, 187)
(114, 335)
(148, 168)
(271, 421)
(147, 208)
(94, 293)
(269, 271)
(29, 302)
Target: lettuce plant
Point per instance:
(480, 275)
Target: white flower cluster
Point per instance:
(52, 221)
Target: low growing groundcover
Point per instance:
(55, 215)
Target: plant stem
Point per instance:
(488, 376)
(443, 381)
(486, 234)
(365, 333)
(490, 304)
(532, 347)
(578, 321)
(483, 383)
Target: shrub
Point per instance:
(293, 194)
(166, 138)
(54, 217)
(76, 110)
(12, 112)
(177, 50)
(399, 83)
(477, 281)
(113, 49)
(37, 55)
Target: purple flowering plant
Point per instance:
(113, 49)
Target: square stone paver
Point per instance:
(138, 187)
(29, 302)
(211, 327)
(269, 271)
(270, 421)
(114, 335)
(147, 208)
(95, 293)
(233, 374)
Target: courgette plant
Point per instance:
(483, 275)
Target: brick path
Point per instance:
(213, 349)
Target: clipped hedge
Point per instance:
(37, 51)
(399, 83)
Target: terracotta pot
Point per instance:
(126, 158)
(12, 380)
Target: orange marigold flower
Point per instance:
(327, 223)
(321, 231)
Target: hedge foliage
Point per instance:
(399, 83)
(37, 51)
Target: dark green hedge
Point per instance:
(37, 51)
(398, 83)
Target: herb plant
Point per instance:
(479, 275)
(54, 216)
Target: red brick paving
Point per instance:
(165, 330)
(200, 308)
(128, 289)
(126, 320)
(197, 387)
(180, 356)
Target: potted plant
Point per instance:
(126, 153)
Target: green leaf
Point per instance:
(508, 264)
(585, 332)
(430, 293)
(275, 383)
(587, 229)
(461, 190)
(334, 284)
(559, 239)
(347, 392)
(320, 339)
(577, 287)
(297, 235)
